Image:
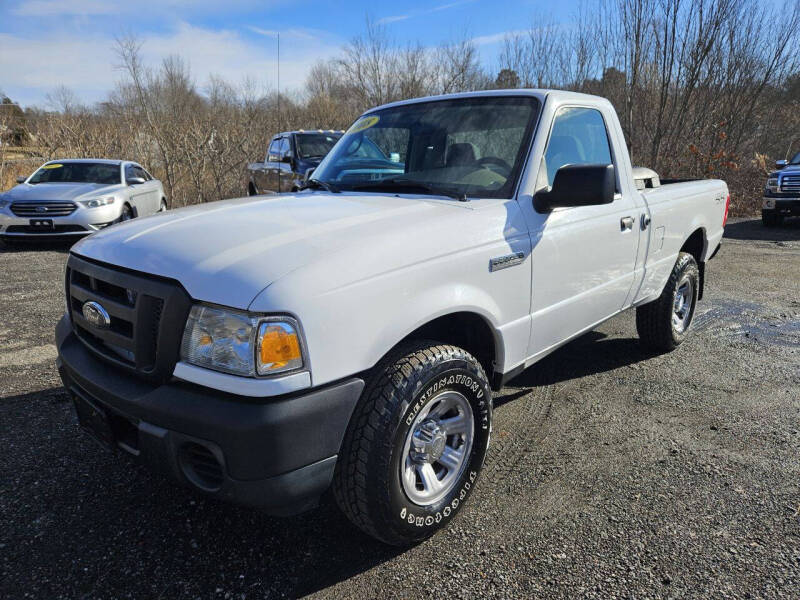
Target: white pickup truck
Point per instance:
(267, 349)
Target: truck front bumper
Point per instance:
(277, 454)
(781, 205)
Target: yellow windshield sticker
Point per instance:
(55, 166)
(363, 124)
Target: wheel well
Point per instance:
(133, 209)
(251, 188)
(466, 330)
(694, 245)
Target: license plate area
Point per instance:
(45, 224)
(94, 420)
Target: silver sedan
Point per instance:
(75, 197)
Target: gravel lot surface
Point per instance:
(611, 472)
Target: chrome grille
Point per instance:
(790, 183)
(43, 209)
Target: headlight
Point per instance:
(241, 344)
(4, 203)
(95, 202)
(772, 183)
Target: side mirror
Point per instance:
(286, 158)
(21, 178)
(579, 185)
(779, 164)
(134, 180)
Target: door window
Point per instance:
(273, 154)
(286, 149)
(579, 137)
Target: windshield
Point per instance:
(467, 146)
(72, 172)
(315, 145)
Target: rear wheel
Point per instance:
(662, 324)
(163, 207)
(415, 444)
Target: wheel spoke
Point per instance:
(451, 459)
(454, 425)
(430, 482)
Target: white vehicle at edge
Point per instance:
(74, 197)
(350, 335)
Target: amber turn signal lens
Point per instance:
(279, 348)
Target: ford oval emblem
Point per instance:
(41, 209)
(96, 315)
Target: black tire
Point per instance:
(770, 219)
(367, 483)
(654, 320)
(126, 214)
(163, 207)
(251, 190)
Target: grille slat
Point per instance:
(43, 209)
(790, 183)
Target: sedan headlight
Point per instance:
(95, 202)
(240, 343)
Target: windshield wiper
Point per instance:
(400, 183)
(318, 184)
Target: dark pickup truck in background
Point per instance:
(289, 156)
(782, 192)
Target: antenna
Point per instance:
(280, 123)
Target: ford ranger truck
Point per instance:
(782, 192)
(264, 350)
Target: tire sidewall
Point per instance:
(685, 267)
(411, 520)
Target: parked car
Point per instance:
(782, 192)
(290, 156)
(351, 335)
(70, 198)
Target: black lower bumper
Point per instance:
(783, 207)
(274, 453)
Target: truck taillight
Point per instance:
(727, 208)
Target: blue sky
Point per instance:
(47, 43)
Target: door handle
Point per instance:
(626, 224)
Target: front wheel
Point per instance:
(163, 206)
(127, 214)
(416, 443)
(663, 323)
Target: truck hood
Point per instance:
(227, 252)
(26, 192)
(787, 170)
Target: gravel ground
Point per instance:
(611, 472)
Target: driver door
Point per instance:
(583, 257)
(138, 194)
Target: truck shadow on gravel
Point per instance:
(754, 230)
(95, 523)
(587, 355)
(36, 245)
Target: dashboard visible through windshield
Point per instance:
(473, 146)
